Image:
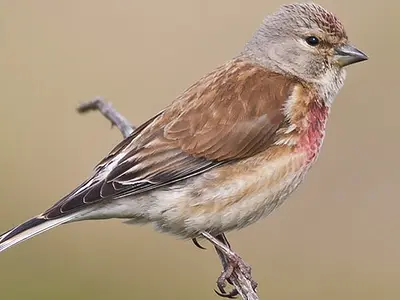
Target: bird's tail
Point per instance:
(29, 229)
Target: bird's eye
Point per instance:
(312, 40)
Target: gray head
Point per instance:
(303, 40)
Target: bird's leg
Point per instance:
(227, 269)
(106, 109)
(224, 260)
(231, 262)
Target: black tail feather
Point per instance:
(21, 228)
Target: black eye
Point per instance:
(312, 40)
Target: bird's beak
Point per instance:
(347, 54)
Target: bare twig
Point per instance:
(106, 109)
(243, 284)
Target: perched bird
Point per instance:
(232, 147)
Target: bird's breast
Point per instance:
(312, 136)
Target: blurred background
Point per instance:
(336, 238)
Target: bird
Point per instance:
(231, 147)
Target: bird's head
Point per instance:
(306, 41)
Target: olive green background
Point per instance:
(336, 238)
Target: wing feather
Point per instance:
(230, 114)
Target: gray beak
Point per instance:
(346, 55)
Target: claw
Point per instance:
(194, 240)
(254, 285)
(230, 295)
(221, 289)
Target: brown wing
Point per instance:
(232, 113)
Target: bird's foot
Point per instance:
(233, 266)
(233, 263)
